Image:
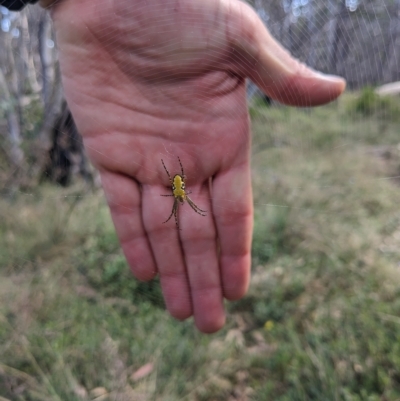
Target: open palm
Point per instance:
(162, 79)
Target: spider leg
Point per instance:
(173, 210)
(195, 207)
(183, 174)
(176, 215)
(162, 161)
(167, 195)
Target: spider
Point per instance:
(180, 195)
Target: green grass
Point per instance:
(327, 276)
(321, 320)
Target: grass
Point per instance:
(321, 320)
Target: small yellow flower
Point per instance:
(269, 325)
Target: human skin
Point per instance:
(156, 79)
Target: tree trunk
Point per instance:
(391, 69)
(337, 30)
(66, 155)
(26, 53)
(9, 92)
(313, 33)
(13, 135)
(52, 94)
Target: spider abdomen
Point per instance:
(179, 187)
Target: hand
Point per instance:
(157, 79)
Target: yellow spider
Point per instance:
(180, 195)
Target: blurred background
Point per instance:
(321, 320)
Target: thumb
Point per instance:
(275, 71)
